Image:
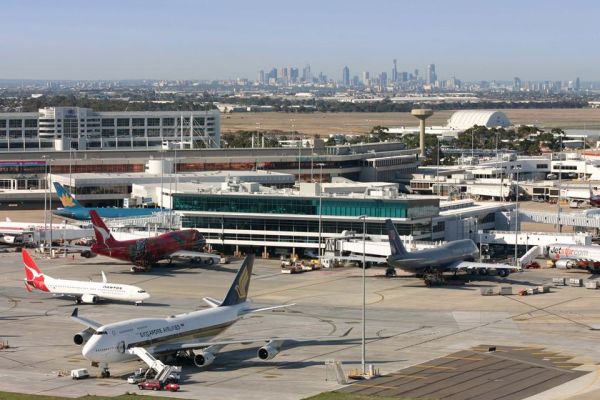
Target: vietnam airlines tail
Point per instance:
(82, 291)
(74, 210)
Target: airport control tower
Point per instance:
(422, 114)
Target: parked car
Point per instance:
(150, 385)
(171, 387)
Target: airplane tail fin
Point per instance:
(103, 235)
(33, 275)
(66, 198)
(395, 242)
(238, 291)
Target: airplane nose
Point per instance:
(87, 350)
(145, 296)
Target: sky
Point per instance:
(226, 39)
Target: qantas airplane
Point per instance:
(84, 292)
(192, 333)
(144, 253)
(73, 210)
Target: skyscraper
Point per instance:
(261, 76)
(306, 75)
(294, 74)
(516, 84)
(366, 79)
(577, 84)
(346, 76)
(395, 71)
(431, 76)
(383, 81)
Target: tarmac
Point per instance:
(407, 325)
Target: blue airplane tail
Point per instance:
(67, 200)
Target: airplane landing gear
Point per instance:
(435, 278)
(390, 272)
(104, 372)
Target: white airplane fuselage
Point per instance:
(104, 290)
(110, 342)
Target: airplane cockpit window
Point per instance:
(101, 333)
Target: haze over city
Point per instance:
(181, 39)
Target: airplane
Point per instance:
(74, 210)
(192, 333)
(84, 292)
(184, 244)
(567, 256)
(454, 256)
(21, 233)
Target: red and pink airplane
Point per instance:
(187, 244)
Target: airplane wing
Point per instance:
(175, 346)
(85, 321)
(193, 255)
(470, 265)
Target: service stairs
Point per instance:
(531, 255)
(163, 371)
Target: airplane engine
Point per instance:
(82, 337)
(89, 298)
(565, 264)
(203, 359)
(88, 254)
(269, 351)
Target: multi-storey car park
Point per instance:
(64, 128)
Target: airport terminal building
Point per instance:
(64, 128)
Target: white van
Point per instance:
(80, 373)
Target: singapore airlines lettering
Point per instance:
(160, 331)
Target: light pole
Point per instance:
(45, 204)
(517, 218)
(437, 170)
(320, 165)
(559, 197)
(364, 305)
(50, 201)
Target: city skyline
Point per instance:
(185, 39)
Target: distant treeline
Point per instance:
(387, 105)
(138, 102)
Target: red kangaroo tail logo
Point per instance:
(103, 235)
(33, 275)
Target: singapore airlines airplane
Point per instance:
(145, 337)
(84, 292)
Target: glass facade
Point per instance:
(307, 206)
(288, 230)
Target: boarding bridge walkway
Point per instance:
(566, 219)
(163, 371)
(165, 219)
